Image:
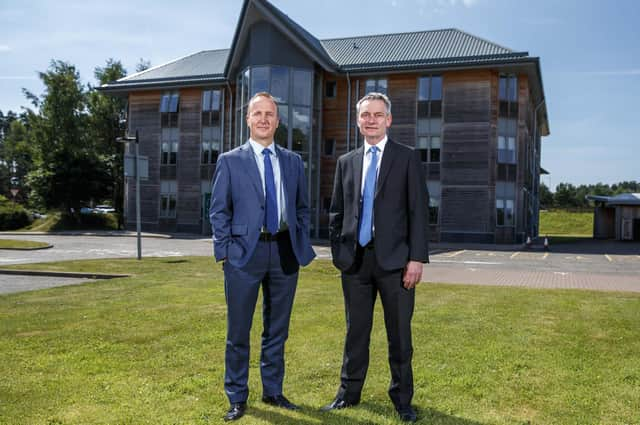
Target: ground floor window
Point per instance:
(434, 188)
(168, 198)
(505, 203)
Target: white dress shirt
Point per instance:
(366, 160)
(275, 163)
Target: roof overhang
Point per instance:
(125, 87)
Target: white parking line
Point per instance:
(456, 253)
(466, 262)
(514, 255)
(608, 258)
(546, 254)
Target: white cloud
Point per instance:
(4, 48)
(469, 3)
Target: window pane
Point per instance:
(436, 108)
(215, 100)
(245, 87)
(502, 126)
(511, 145)
(282, 132)
(423, 142)
(436, 87)
(434, 188)
(164, 103)
(280, 84)
(512, 125)
(173, 106)
(301, 87)
(370, 86)
(434, 125)
(301, 128)
(435, 155)
(259, 79)
(435, 143)
(502, 144)
(433, 215)
(423, 126)
(423, 88)
(513, 88)
(329, 146)
(423, 109)
(503, 88)
(330, 89)
(382, 86)
(206, 100)
(174, 147)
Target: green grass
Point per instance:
(150, 350)
(15, 244)
(566, 223)
(55, 221)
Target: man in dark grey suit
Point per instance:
(379, 240)
(260, 219)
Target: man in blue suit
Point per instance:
(260, 219)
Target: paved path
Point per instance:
(596, 265)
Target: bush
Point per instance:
(12, 215)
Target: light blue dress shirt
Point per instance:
(275, 163)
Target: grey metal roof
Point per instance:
(446, 46)
(197, 68)
(621, 199)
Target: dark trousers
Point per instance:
(273, 266)
(360, 285)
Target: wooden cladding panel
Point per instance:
(188, 170)
(464, 155)
(465, 209)
(467, 97)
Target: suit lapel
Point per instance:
(357, 172)
(385, 166)
(249, 160)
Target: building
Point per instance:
(616, 217)
(475, 110)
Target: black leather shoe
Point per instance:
(236, 411)
(407, 414)
(338, 403)
(279, 401)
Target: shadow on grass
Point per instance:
(175, 261)
(385, 413)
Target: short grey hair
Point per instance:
(375, 96)
(264, 94)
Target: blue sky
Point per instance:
(589, 50)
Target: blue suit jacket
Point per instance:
(238, 205)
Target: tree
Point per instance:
(18, 155)
(68, 171)
(143, 65)
(104, 127)
(546, 197)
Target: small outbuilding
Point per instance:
(616, 217)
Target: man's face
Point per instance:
(373, 120)
(262, 120)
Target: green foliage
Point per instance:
(569, 196)
(12, 216)
(18, 244)
(150, 349)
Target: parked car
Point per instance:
(86, 210)
(104, 209)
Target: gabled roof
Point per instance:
(413, 49)
(621, 199)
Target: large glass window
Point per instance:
(507, 132)
(211, 125)
(292, 89)
(429, 118)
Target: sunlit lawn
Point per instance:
(150, 350)
(17, 244)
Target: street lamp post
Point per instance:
(136, 169)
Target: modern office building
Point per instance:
(474, 109)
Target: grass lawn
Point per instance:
(15, 244)
(566, 223)
(149, 349)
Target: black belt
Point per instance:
(270, 237)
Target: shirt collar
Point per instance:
(258, 148)
(380, 145)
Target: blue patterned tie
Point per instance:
(364, 235)
(271, 213)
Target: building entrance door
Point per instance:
(636, 229)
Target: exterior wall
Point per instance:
(604, 223)
(626, 223)
(467, 169)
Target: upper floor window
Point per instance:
(168, 198)
(330, 89)
(376, 85)
(170, 138)
(507, 132)
(429, 128)
(211, 125)
(169, 108)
